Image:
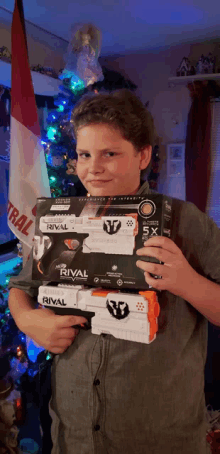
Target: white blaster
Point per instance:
(126, 316)
(106, 234)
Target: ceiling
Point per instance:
(128, 25)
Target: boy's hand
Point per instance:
(51, 331)
(177, 273)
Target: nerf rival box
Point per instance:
(93, 240)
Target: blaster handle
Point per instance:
(72, 311)
(63, 251)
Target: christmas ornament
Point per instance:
(20, 354)
(54, 161)
(71, 166)
(82, 56)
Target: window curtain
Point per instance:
(198, 142)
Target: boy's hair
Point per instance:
(121, 109)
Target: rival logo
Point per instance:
(111, 226)
(75, 273)
(57, 227)
(60, 266)
(118, 309)
(53, 301)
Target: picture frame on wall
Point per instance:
(176, 160)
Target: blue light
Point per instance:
(77, 84)
(6, 267)
(33, 349)
(52, 179)
(60, 108)
(9, 264)
(53, 116)
(49, 159)
(28, 445)
(51, 133)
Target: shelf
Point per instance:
(43, 85)
(187, 79)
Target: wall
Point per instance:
(43, 48)
(150, 72)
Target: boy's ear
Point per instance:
(146, 154)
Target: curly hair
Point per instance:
(120, 109)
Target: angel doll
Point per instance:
(82, 55)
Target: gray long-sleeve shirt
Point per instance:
(111, 396)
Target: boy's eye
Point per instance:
(81, 155)
(87, 155)
(111, 153)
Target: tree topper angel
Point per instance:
(82, 55)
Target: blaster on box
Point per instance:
(128, 316)
(106, 234)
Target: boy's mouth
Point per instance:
(99, 181)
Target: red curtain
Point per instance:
(198, 142)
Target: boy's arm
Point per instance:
(53, 332)
(178, 276)
(204, 295)
(23, 292)
(23, 281)
(18, 303)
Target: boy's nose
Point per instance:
(95, 166)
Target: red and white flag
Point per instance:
(28, 171)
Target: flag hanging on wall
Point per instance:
(28, 171)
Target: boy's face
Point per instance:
(108, 164)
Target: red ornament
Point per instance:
(19, 411)
(213, 438)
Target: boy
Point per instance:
(110, 395)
